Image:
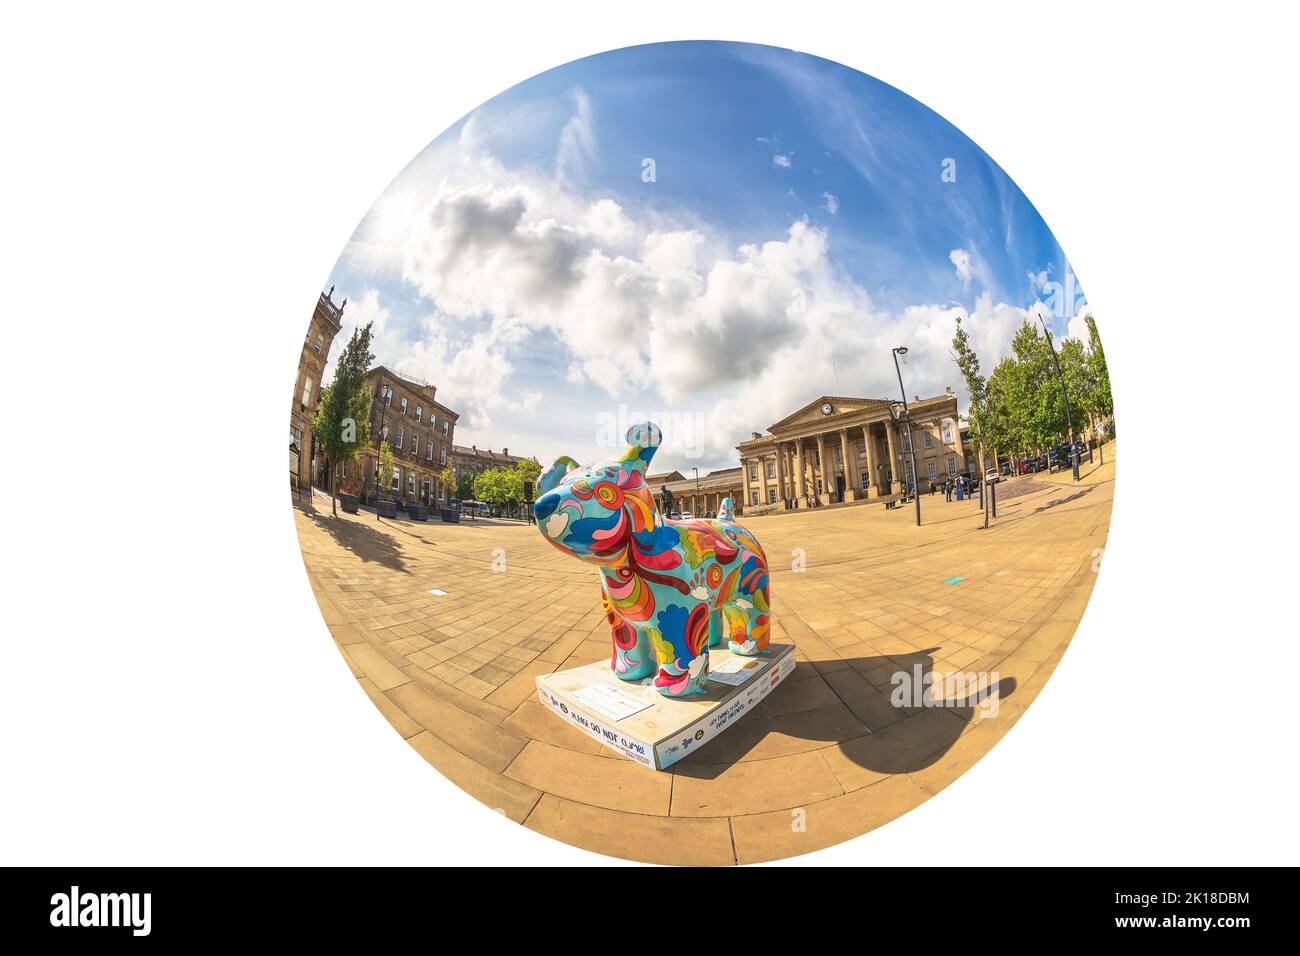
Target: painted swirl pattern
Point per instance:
(670, 589)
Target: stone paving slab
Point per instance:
(828, 756)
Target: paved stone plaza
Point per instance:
(825, 758)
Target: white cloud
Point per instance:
(831, 203)
(782, 160)
(634, 303)
(961, 260)
(577, 143)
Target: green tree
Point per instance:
(342, 422)
(530, 469)
(1004, 386)
(465, 486)
(1037, 402)
(387, 464)
(448, 482)
(983, 428)
(1105, 404)
(498, 487)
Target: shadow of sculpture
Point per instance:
(880, 721)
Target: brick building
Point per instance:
(471, 460)
(419, 430)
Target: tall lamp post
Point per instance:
(1069, 419)
(697, 488)
(907, 418)
(379, 440)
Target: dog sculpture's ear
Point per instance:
(642, 440)
(551, 477)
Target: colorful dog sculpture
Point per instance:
(670, 589)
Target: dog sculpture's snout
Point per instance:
(544, 506)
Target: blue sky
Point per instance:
(798, 225)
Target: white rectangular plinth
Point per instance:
(658, 731)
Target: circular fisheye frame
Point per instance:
(702, 453)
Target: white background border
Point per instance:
(176, 186)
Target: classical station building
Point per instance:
(326, 320)
(703, 496)
(419, 430)
(840, 450)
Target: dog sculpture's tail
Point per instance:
(726, 510)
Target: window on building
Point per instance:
(753, 497)
(753, 475)
(383, 432)
(927, 439)
(442, 457)
(418, 412)
(931, 471)
(952, 464)
(907, 438)
(306, 393)
(428, 449)
(415, 443)
(863, 478)
(398, 443)
(397, 478)
(771, 496)
(403, 405)
(839, 456)
(771, 469)
(388, 395)
(947, 433)
(410, 483)
(862, 448)
(445, 424)
(819, 486)
(320, 343)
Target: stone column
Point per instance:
(800, 493)
(873, 462)
(780, 476)
(853, 476)
(825, 496)
(848, 469)
(895, 466)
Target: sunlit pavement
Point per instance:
(826, 757)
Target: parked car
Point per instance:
(687, 516)
(993, 475)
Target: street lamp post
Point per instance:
(379, 438)
(1069, 419)
(907, 418)
(697, 488)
